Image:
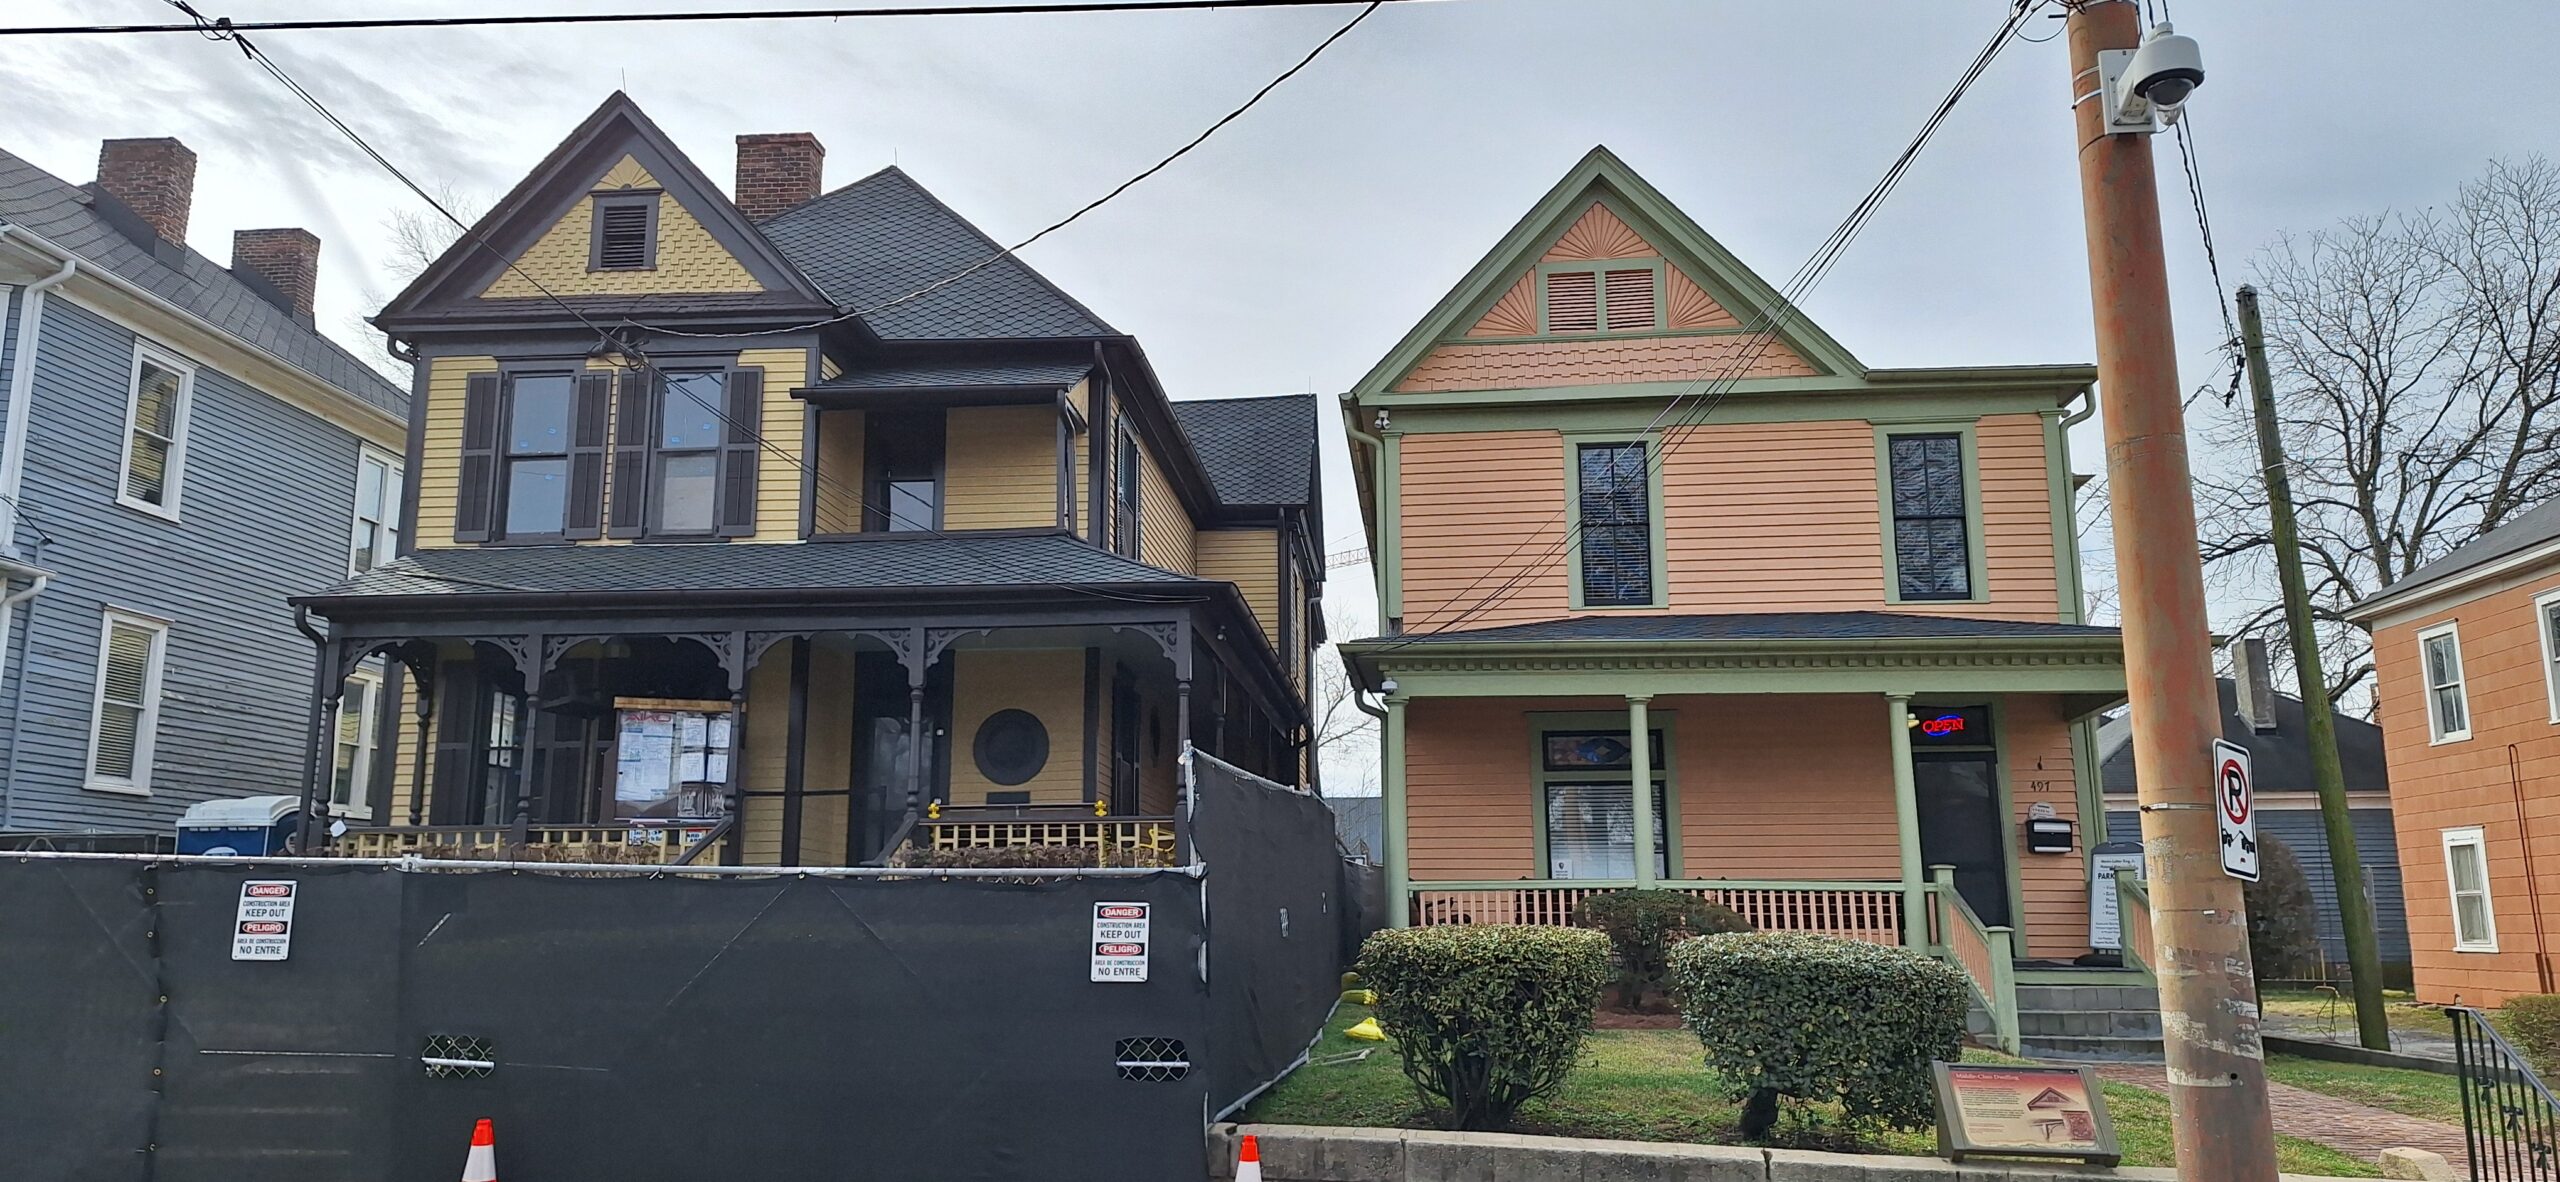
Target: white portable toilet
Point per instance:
(247, 826)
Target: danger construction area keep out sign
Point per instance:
(264, 928)
(1120, 941)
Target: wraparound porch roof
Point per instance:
(1757, 652)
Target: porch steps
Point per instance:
(2090, 1023)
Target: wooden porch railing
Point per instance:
(571, 843)
(1867, 911)
(2133, 920)
(958, 829)
(1987, 954)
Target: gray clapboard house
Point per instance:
(2270, 725)
(180, 451)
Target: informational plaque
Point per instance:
(1994, 1110)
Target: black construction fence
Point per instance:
(624, 1025)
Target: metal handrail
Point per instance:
(2510, 1120)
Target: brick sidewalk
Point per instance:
(2357, 1129)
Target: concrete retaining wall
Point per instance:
(1301, 1153)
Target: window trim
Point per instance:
(173, 477)
(1598, 269)
(1128, 492)
(2436, 734)
(1574, 441)
(504, 455)
(391, 525)
(653, 513)
(647, 199)
(147, 730)
(2546, 615)
(368, 746)
(2475, 837)
(1969, 458)
(1666, 771)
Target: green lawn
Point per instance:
(1650, 1085)
(2324, 1005)
(2422, 1094)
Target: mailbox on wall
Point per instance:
(2048, 835)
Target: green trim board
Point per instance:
(1390, 556)
(2065, 517)
(1977, 560)
(1618, 406)
(1542, 722)
(2091, 666)
(1657, 544)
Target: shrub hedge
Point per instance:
(2532, 1023)
(1813, 1018)
(1643, 925)
(2284, 937)
(1486, 1017)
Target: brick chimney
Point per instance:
(155, 178)
(2253, 684)
(286, 260)
(777, 171)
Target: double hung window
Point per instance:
(125, 709)
(904, 492)
(685, 471)
(2466, 869)
(376, 535)
(351, 769)
(155, 439)
(1614, 526)
(1932, 556)
(536, 472)
(2448, 700)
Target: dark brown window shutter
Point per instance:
(477, 496)
(458, 724)
(631, 456)
(585, 517)
(738, 453)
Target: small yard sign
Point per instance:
(2001, 1111)
(2235, 808)
(263, 930)
(1120, 941)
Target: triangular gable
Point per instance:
(703, 245)
(1602, 211)
(2049, 1098)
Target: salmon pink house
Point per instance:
(1674, 601)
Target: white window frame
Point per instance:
(2469, 835)
(359, 806)
(147, 732)
(2546, 614)
(174, 478)
(386, 540)
(2427, 685)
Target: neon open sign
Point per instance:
(1952, 726)
(1942, 726)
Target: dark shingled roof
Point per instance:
(65, 214)
(1755, 626)
(2280, 759)
(872, 564)
(1056, 375)
(884, 236)
(2531, 528)
(1258, 451)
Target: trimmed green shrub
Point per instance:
(2532, 1023)
(1643, 925)
(2284, 936)
(1819, 1018)
(1487, 1017)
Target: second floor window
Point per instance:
(377, 525)
(1615, 524)
(2448, 703)
(686, 467)
(155, 444)
(904, 491)
(1125, 480)
(536, 472)
(1932, 557)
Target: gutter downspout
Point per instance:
(18, 691)
(13, 462)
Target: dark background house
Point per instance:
(2270, 725)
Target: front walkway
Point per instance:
(2358, 1129)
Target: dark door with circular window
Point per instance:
(1010, 748)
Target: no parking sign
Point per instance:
(2235, 808)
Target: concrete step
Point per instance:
(2092, 1050)
(2090, 1023)
(2081, 998)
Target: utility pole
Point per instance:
(2346, 865)
(2208, 1002)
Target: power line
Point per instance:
(2212, 259)
(1769, 322)
(1061, 223)
(230, 26)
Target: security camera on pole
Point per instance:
(2123, 86)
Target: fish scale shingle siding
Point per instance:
(268, 491)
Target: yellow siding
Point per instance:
(1164, 528)
(2035, 746)
(785, 429)
(830, 759)
(399, 734)
(1000, 467)
(1049, 683)
(1080, 396)
(689, 258)
(440, 451)
(840, 463)
(1246, 558)
(768, 732)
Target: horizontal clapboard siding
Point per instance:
(269, 493)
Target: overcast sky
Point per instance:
(1293, 249)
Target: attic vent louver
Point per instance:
(622, 236)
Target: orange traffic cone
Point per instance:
(482, 1165)
(1248, 1160)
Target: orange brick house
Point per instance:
(2464, 650)
(1842, 604)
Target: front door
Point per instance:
(1961, 826)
